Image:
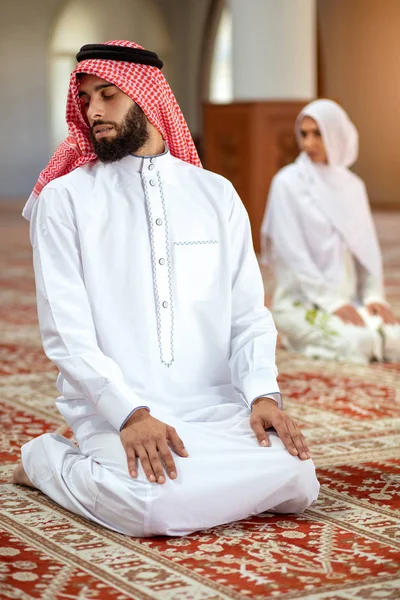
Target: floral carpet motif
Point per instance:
(346, 546)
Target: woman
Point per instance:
(318, 232)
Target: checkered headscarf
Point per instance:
(147, 86)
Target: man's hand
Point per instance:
(348, 314)
(148, 439)
(383, 311)
(265, 413)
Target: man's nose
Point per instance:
(95, 110)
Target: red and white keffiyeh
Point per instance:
(147, 86)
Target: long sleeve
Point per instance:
(65, 317)
(369, 288)
(253, 333)
(291, 256)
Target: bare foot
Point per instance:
(19, 476)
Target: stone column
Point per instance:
(273, 49)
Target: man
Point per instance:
(150, 303)
(329, 300)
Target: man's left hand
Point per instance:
(265, 414)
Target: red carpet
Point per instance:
(345, 547)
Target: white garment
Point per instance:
(226, 477)
(149, 294)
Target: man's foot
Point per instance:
(19, 476)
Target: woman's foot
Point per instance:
(20, 477)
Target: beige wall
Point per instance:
(360, 68)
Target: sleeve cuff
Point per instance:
(117, 402)
(131, 413)
(260, 383)
(277, 396)
(375, 298)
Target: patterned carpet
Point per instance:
(345, 547)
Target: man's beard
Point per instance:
(130, 136)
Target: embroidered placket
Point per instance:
(161, 261)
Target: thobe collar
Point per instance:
(149, 166)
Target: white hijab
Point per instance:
(335, 192)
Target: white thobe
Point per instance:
(149, 294)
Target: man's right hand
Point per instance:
(348, 314)
(148, 439)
